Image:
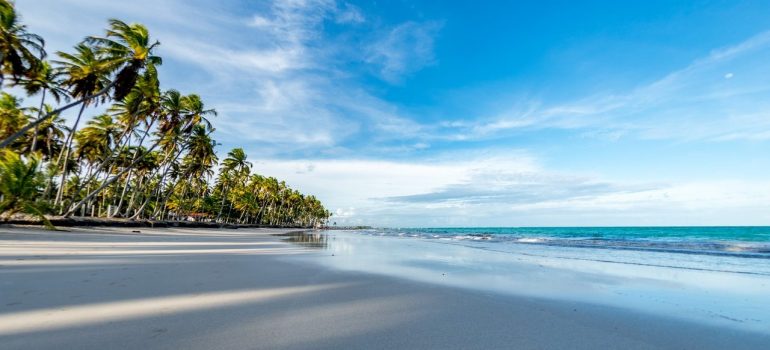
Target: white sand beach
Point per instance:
(110, 288)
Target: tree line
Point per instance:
(150, 155)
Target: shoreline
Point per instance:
(232, 289)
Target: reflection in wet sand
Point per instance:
(312, 239)
(670, 284)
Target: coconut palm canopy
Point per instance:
(150, 155)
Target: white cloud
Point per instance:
(215, 59)
(349, 13)
(488, 190)
(260, 22)
(344, 213)
(404, 49)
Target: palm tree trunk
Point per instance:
(66, 150)
(123, 194)
(229, 211)
(49, 184)
(261, 212)
(161, 209)
(109, 181)
(39, 112)
(148, 194)
(156, 191)
(163, 179)
(224, 198)
(119, 144)
(183, 204)
(130, 173)
(132, 199)
(140, 210)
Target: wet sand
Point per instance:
(97, 288)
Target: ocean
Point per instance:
(737, 241)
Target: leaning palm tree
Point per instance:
(20, 51)
(94, 144)
(129, 50)
(141, 110)
(44, 80)
(196, 112)
(86, 73)
(48, 137)
(96, 140)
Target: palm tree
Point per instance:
(43, 80)
(196, 112)
(129, 50)
(20, 51)
(96, 140)
(20, 186)
(139, 108)
(144, 182)
(12, 115)
(48, 137)
(234, 167)
(86, 73)
(94, 144)
(201, 157)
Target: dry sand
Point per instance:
(101, 288)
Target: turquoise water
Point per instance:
(731, 241)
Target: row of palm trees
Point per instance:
(149, 156)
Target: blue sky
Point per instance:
(441, 113)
